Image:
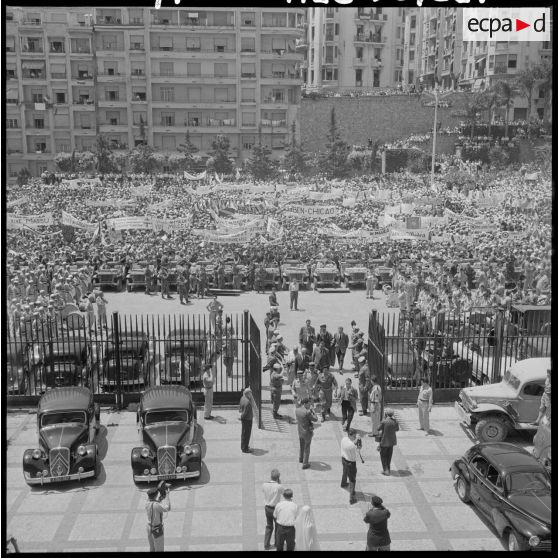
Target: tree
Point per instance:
(505, 94)
(490, 101)
(85, 161)
(142, 159)
(120, 161)
(64, 161)
(260, 165)
(334, 160)
(104, 155)
(543, 74)
(295, 160)
(220, 160)
(474, 105)
(189, 149)
(525, 81)
(23, 176)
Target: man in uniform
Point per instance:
(325, 383)
(311, 378)
(307, 337)
(202, 282)
(299, 388)
(148, 280)
(181, 284)
(276, 388)
(327, 338)
(164, 277)
(363, 385)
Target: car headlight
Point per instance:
(145, 452)
(188, 450)
(534, 541)
(195, 450)
(81, 450)
(37, 454)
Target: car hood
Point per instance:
(64, 435)
(490, 392)
(166, 434)
(535, 503)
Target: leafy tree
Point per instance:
(142, 159)
(23, 176)
(120, 161)
(474, 105)
(525, 81)
(295, 160)
(188, 149)
(85, 161)
(260, 165)
(505, 95)
(220, 158)
(335, 159)
(104, 155)
(543, 74)
(64, 161)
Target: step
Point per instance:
(224, 292)
(333, 290)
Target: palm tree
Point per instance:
(525, 81)
(490, 101)
(505, 94)
(543, 73)
(474, 105)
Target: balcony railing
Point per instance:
(281, 75)
(137, 46)
(84, 102)
(372, 38)
(502, 69)
(33, 74)
(57, 50)
(34, 22)
(26, 49)
(82, 77)
(11, 76)
(195, 76)
(110, 74)
(117, 123)
(279, 51)
(273, 123)
(109, 20)
(80, 51)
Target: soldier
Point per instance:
(202, 282)
(311, 377)
(235, 278)
(325, 383)
(364, 385)
(276, 388)
(148, 280)
(221, 276)
(181, 283)
(101, 309)
(229, 347)
(250, 279)
(260, 279)
(164, 277)
(299, 388)
(327, 338)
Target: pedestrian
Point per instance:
(164, 277)
(324, 384)
(276, 388)
(320, 355)
(208, 380)
(375, 403)
(364, 385)
(340, 344)
(377, 517)
(158, 503)
(229, 347)
(350, 445)
(369, 285)
(545, 408)
(305, 418)
(272, 491)
(285, 515)
(299, 388)
(424, 404)
(246, 416)
(348, 396)
(182, 287)
(306, 537)
(293, 293)
(307, 337)
(101, 303)
(388, 438)
(327, 339)
(213, 308)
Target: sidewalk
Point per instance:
(223, 510)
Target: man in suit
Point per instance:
(305, 417)
(325, 336)
(246, 417)
(387, 431)
(340, 344)
(320, 356)
(307, 337)
(348, 396)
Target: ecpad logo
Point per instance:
(505, 24)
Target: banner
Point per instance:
(17, 202)
(410, 234)
(110, 203)
(313, 210)
(171, 225)
(325, 196)
(429, 201)
(70, 220)
(274, 229)
(349, 202)
(216, 237)
(141, 222)
(28, 221)
(200, 176)
(79, 183)
(141, 191)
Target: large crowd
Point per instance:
(482, 236)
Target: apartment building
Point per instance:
(75, 73)
(352, 48)
(412, 49)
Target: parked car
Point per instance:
(272, 278)
(511, 489)
(134, 361)
(384, 275)
(168, 426)
(542, 442)
(448, 369)
(136, 277)
(354, 273)
(401, 363)
(68, 422)
(326, 275)
(17, 367)
(295, 270)
(109, 275)
(495, 409)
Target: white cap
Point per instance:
(361, 359)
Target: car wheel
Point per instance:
(491, 429)
(515, 542)
(462, 489)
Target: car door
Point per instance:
(492, 492)
(478, 468)
(529, 400)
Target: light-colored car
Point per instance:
(495, 409)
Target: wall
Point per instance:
(379, 118)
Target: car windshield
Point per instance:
(167, 415)
(527, 481)
(511, 380)
(63, 417)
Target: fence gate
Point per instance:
(376, 352)
(117, 360)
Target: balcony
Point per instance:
(137, 75)
(273, 123)
(110, 77)
(84, 103)
(33, 74)
(34, 51)
(136, 47)
(371, 38)
(82, 77)
(277, 53)
(80, 52)
(57, 50)
(195, 78)
(108, 20)
(274, 101)
(11, 75)
(58, 75)
(114, 102)
(359, 62)
(30, 23)
(301, 44)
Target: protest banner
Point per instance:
(218, 238)
(410, 234)
(141, 222)
(170, 225)
(274, 229)
(28, 221)
(349, 202)
(70, 220)
(17, 202)
(313, 210)
(200, 176)
(110, 203)
(79, 183)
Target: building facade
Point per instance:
(354, 48)
(135, 74)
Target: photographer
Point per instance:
(350, 445)
(157, 504)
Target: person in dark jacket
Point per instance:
(387, 431)
(246, 417)
(340, 344)
(377, 518)
(305, 417)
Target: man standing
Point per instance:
(207, 381)
(276, 388)
(307, 336)
(285, 515)
(246, 417)
(311, 378)
(369, 285)
(164, 276)
(213, 308)
(324, 384)
(148, 280)
(327, 339)
(320, 355)
(387, 431)
(272, 491)
(546, 406)
(299, 388)
(363, 385)
(377, 517)
(157, 504)
(348, 396)
(293, 293)
(305, 417)
(340, 344)
(424, 404)
(202, 282)
(181, 284)
(375, 401)
(350, 444)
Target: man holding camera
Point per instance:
(157, 504)
(350, 445)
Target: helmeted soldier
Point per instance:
(181, 284)
(164, 278)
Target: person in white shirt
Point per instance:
(285, 515)
(349, 447)
(305, 530)
(272, 491)
(424, 404)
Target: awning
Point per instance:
(193, 15)
(165, 42)
(33, 65)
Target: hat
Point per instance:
(376, 500)
(277, 366)
(361, 359)
(323, 325)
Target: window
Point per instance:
(221, 94)
(248, 119)
(31, 44)
(194, 119)
(167, 119)
(480, 465)
(248, 142)
(138, 118)
(193, 43)
(412, 39)
(169, 143)
(113, 118)
(80, 46)
(63, 146)
(358, 77)
(110, 68)
(411, 77)
(247, 44)
(194, 94)
(136, 16)
(278, 70)
(166, 68)
(11, 73)
(165, 43)
(138, 69)
(248, 19)
(337, 29)
(136, 42)
(278, 96)
(494, 478)
(221, 70)
(61, 120)
(491, 62)
(411, 55)
(111, 95)
(167, 94)
(413, 22)
(533, 390)
(12, 123)
(248, 70)
(248, 94)
(139, 94)
(57, 46)
(220, 45)
(37, 97)
(278, 46)
(512, 60)
(329, 54)
(193, 69)
(60, 98)
(109, 42)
